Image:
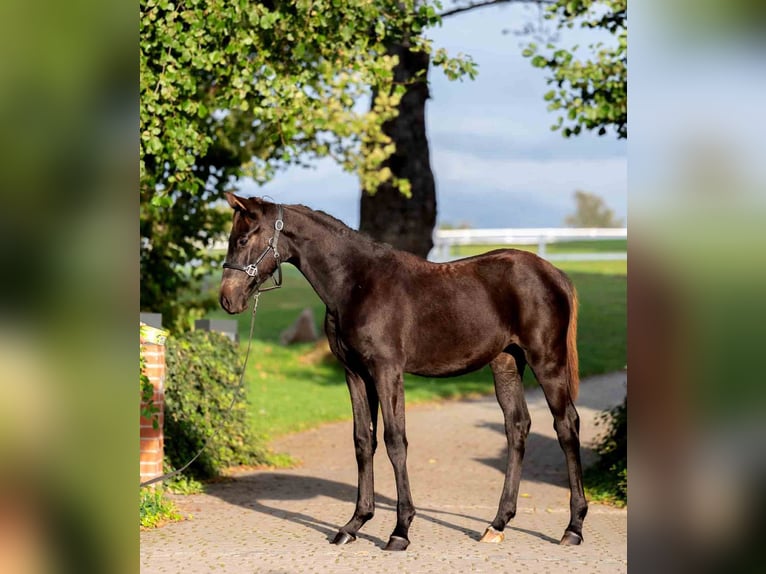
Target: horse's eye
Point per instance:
(242, 241)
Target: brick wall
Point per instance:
(152, 440)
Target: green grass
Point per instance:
(289, 393)
(599, 246)
(602, 330)
(614, 268)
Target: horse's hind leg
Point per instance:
(508, 369)
(364, 403)
(566, 422)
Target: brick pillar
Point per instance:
(152, 439)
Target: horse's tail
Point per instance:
(573, 361)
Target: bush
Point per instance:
(203, 378)
(155, 508)
(182, 484)
(607, 480)
(148, 409)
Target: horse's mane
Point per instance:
(338, 226)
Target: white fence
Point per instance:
(444, 239)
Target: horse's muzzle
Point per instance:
(231, 300)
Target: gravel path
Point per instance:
(281, 521)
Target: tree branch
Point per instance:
(485, 3)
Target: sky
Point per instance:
(495, 160)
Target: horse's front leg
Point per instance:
(390, 386)
(364, 403)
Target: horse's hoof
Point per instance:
(397, 543)
(343, 538)
(571, 539)
(492, 536)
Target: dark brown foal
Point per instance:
(390, 313)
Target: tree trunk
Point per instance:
(388, 215)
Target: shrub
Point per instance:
(155, 508)
(607, 480)
(148, 408)
(182, 484)
(203, 378)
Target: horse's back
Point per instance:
(507, 272)
(458, 316)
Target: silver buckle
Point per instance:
(279, 225)
(251, 270)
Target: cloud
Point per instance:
(497, 208)
(501, 136)
(325, 186)
(483, 190)
(550, 181)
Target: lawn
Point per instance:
(296, 388)
(579, 246)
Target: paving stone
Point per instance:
(281, 521)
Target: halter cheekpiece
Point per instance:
(252, 268)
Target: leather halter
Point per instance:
(252, 268)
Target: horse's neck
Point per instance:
(328, 261)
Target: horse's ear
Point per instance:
(237, 203)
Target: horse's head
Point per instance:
(254, 251)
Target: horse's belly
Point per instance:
(449, 359)
(455, 332)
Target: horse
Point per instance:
(389, 312)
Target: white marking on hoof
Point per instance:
(570, 539)
(492, 536)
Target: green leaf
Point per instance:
(592, 86)
(161, 201)
(227, 87)
(153, 145)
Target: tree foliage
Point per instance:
(591, 211)
(231, 88)
(590, 92)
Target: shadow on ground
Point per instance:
(256, 492)
(266, 492)
(543, 458)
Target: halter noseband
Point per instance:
(252, 268)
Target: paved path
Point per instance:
(281, 521)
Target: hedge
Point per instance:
(202, 380)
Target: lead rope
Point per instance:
(228, 410)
